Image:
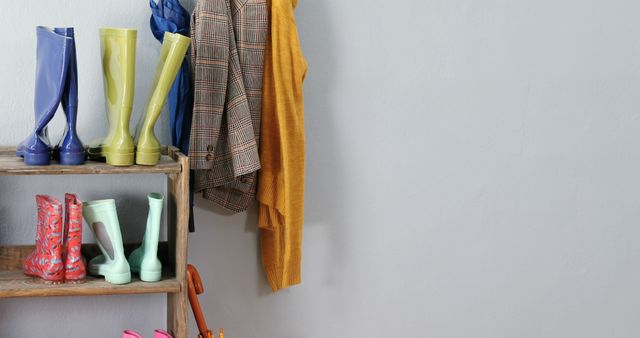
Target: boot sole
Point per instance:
(150, 276)
(102, 269)
(36, 158)
(144, 158)
(119, 159)
(72, 158)
(118, 278)
(111, 157)
(45, 279)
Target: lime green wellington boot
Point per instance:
(144, 260)
(118, 68)
(174, 48)
(103, 221)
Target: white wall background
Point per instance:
(473, 171)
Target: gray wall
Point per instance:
(472, 172)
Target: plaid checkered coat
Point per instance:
(228, 40)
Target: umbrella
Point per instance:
(194, 288)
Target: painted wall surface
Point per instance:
(473, 171)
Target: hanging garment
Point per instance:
(282, 150)
(228, 39)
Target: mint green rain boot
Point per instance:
(144, 260)
(103, 221)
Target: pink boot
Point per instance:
(46, 260)
(161, 334)
(75, 264)
(130, 334)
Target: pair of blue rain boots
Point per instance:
(56, 83)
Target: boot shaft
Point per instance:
(70, 94)
(53, 54)
(75, 267)
(46, 261)
(103, 221)
(118, 47)
(172, 53)
(70, 150)
(154, 217)
(50, 216)
(144, 260)
(102, 217)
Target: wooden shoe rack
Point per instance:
(172, 253)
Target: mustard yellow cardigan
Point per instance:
(282, 150)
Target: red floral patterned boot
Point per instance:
(46, 260)
(75, 265)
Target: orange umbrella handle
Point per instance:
(194, 289)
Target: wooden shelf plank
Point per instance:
(13, 166)
(14, 284)
(10, 165)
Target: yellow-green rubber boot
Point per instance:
(118, 47)
(174, 48)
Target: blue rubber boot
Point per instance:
(52, 65)
(70, 151)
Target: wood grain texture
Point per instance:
(10, 165)
(11, 257)
(15, 284)
(178, 187)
